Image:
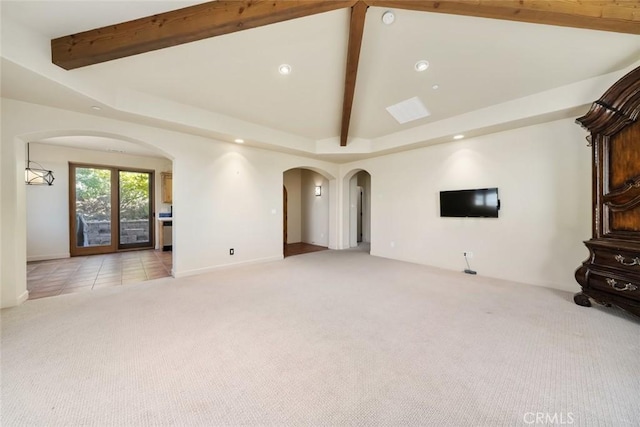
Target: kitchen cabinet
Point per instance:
(167, 187)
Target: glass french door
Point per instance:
(134, 205)
(111, 209)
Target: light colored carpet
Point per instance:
(329, 338)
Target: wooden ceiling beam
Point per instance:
(179, 26)
(223, 17)
(356, 31)
(621, 16)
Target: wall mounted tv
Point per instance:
(479, 203)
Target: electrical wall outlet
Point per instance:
(468, 254)
(231, 251)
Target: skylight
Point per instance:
(408, 110)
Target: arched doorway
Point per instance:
(51, 239)
(359, 202)
(306, 215)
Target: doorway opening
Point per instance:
(305, 212)
(50, 215)
(360, 211)
(110, 209)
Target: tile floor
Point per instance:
(81, 274)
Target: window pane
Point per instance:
(134, 207)
(93, 207)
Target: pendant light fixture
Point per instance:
(37, 176)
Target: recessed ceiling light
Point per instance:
(239, 141)
(95, 107)
(435, 87)
(458, 136)
(422, 65)
(388, 17)
(284, 69)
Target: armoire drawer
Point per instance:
(615, 285)
(617, 259)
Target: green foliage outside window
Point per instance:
(134, 195)
(93, 194)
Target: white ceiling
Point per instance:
(476, 62)
(100, 143)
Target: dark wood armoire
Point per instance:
(611, 274)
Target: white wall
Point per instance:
(13, 225)
(48, 206)
(224, 195)
(230, 196)
(3, 186)
(292, 181)
(543, 173)
(315, 209)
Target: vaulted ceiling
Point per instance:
(217, 18)
(347, 65)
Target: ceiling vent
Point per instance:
(409, 110)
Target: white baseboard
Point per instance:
(48, 257)
(23, 297)
(14, 303)
(178, 274)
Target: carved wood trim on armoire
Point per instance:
(611, 274)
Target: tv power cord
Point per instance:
(468, 270)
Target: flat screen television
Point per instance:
(479, 203)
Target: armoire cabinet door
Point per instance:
(622, 192)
